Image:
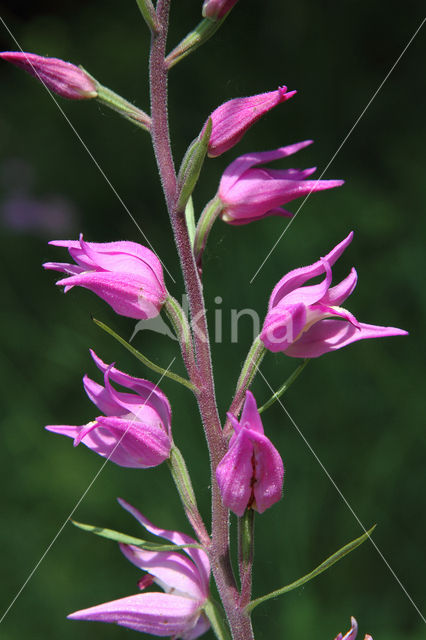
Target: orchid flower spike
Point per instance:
(136, 428)
(352, 633)
(185, 580)
(308, 321)
(232, 119)
(248, 192)
(63, 78)
(217, 9)
(128, 276)
(251, 473)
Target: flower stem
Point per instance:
(250, 366)
(183, 483)
(205, 223)
(219, 549)
(246, 554)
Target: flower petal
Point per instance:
(235, 472)
(330, 335)
(174, 570)
(338, 294)
(160, 614)
(298, 277)
(146, 390)
(197, 555)
(250, 416)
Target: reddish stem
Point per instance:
(219, 549)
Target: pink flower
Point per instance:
(249, 192)
(135, 430)
(185, 580)
(352, 633)
(251, 474)
(61, 77)
(128, 276)
(233, 118)
(307, 321)
(217, 9)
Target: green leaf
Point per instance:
(123, 538)
(190, 220)
(313, 574)
(287, 384)
(144, 359)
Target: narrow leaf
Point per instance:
(287, 384)
(217, 617)
(144, 359)
(123, 538)
(313, 574)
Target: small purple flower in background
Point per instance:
(307, 321)
(128, 276)
(251, 474)
(135, 430)
(61, 77)
(217, 9)
(178, 611)
(232, 119)
(249, 192)
(352, 633)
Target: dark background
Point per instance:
(361, 409)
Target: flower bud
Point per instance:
(251, 474)
(232, 119)
(135, 430)
(61, 77)
(217, 9)
(128, 276)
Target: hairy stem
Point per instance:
(219, 549)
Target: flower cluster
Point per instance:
(305, 319)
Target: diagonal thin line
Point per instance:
(86, 148)
(345, 500)
(79, 501)
(339, 148)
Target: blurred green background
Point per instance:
(361, 409)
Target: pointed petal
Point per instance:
(234, 474)
(160, 614)
(338, 294)
(176, 571)
(250, 417)
(101, 397)
(129, 295)
(309, 295)
(197, 555)
(145, 389)
(233, 172)
(269, 473)
(330, 335)
(298, 277)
